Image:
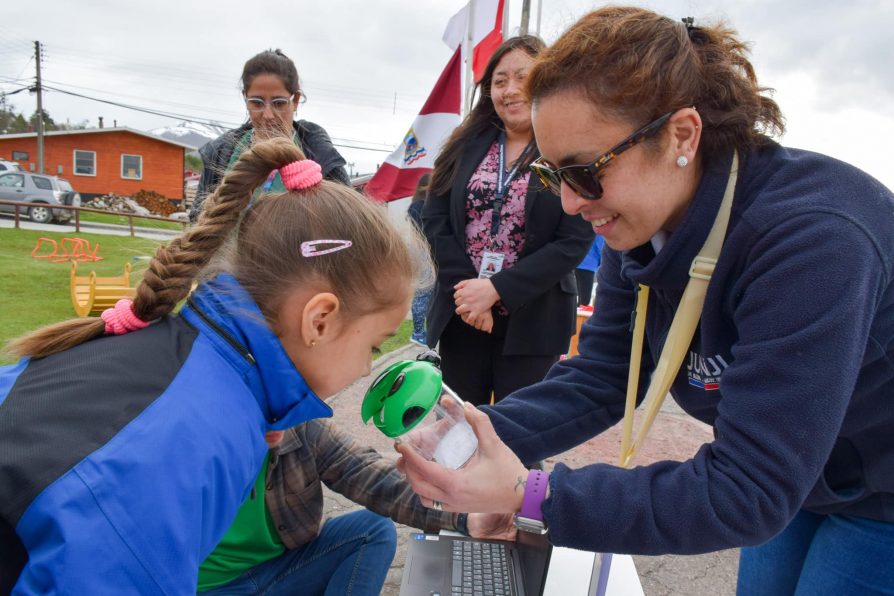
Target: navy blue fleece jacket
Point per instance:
(791, 365)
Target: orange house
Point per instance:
(104, 160)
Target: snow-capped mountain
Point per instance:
(190, 133)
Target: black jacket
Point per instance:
(315, 143)
(539, 291)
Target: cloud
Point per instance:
(368, 66)
(844, 47)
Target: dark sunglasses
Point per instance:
(584, 179)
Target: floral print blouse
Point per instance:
(480, 192)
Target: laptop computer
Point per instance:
(433, 567)
(442, 565)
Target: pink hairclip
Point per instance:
(121, 319)
(309, 248)
(302, 174)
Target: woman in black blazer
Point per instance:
(504, 304)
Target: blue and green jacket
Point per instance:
(124, 460)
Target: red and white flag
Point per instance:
(399, 175)
(487, 32)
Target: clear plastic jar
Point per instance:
(443, 435)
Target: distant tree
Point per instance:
(19, 124)
(48, 122)
(7, 116)
(67, 125)
(193, 162)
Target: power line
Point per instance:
(187, 118)
(201, 72)
(19, 90)
(193, 77)
(159, 101)
(184, 117)
(186, 77)
(27, 64)
(321, 97)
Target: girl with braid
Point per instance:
(128, 443)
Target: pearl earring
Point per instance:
(682, 161)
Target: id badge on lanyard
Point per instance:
(491, 261)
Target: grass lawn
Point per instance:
(35, 292)
(400, 339)
(121, 220)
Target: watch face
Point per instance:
(526, 524)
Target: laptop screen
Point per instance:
(533, 552)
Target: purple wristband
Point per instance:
(535, 494)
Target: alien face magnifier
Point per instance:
(410, 403)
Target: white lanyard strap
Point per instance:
(681, 332)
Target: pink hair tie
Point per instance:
(120, 319)
(302, 174)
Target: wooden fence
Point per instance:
(77, 216)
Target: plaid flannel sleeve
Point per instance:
(364, 476)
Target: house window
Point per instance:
(132, 166)
(84, 163)
(20, 156)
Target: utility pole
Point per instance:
(39, 110)
(525, 17)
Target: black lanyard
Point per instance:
(503, 183)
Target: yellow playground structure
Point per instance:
(90, 294)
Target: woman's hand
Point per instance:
(491, 482)
(491, 526)
(475, 297)
(484, 322)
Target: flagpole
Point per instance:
(525, 17)
(506, 20)
(469, 49)
(539, 15)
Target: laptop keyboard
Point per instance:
(480, 569)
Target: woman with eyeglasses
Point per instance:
(649, 129)
(272, 90)
(503, 308)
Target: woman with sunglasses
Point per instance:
(647, 128)
(503, 308)
(272, 90)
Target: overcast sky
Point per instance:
(367, 67)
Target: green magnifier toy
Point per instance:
(410, 403)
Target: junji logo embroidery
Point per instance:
(705, 373)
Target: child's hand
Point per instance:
(274, 438)
(492, 526)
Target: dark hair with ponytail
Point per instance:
(273, 62)
(636, 65)
(266, 258)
